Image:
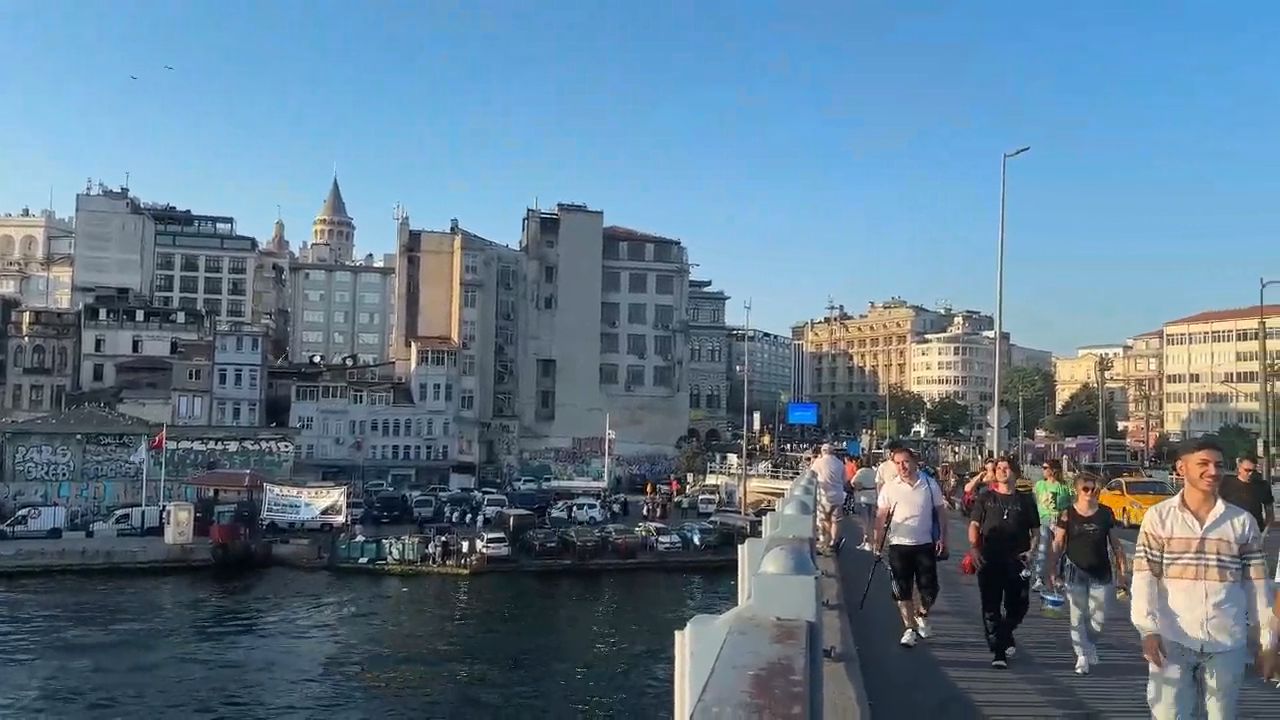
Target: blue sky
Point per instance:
(801, 150)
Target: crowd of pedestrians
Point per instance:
(1200, 597)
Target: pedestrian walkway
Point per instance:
(950, 676)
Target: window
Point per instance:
(222, 377)
(608, 342)
(253, 378)
(468, 331)
(549, 274)
(695, 397)
(370, 318)
(238, 378)
(547, 400)
(468, 364)
(435, 392)
(235, 308)
(467, 399)
(164, 261)
(212, 285)
(213, 306)
(610, 313)
(611, 281)
(189, 284)
(305, 422)
(212, 264)
(312, 336)
(38, 357)
(546, 369)
(448, 392)
(238, 287)
(190, 263)
(313, 316)
(164, 283)
(638, 282)
(637, 314)
(15, 397)
(713, 398)
(470, 264)
(339, 338)
(36, 398)
(608, 374)
(99, 371)
(195, 374)
(636, 250)
(662, 376)
(236, 266)
(235, 413)
(664, 252)
(470, 297)
(220, 415)
(637, 345)
(664, 316)
(662, 346)
(635, 376)
(316, 296)
(371, 298)
(367, 338)
(664, 284)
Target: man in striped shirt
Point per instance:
(1198, 576)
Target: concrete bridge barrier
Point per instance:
(785, 652)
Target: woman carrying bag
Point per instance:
(1084, 549)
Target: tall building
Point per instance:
(958, 363)
(40, 369)
(1211, 369)
(202, 263)
(768, 358)
(853, 360)
(709, 390)
(238, 390)
(604, 332)
(338, 307)
(1072, 373)
(333, 228)
(114, 244)
(457, 304)
(1143, 371)
(35, 258)
(271, 298)
(116, 329)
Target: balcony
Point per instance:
(39, 370)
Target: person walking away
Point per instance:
(1199, 577)
(1003, 529)
(865, 489)
(1082, 537)
(1053, 496)
(913, 508)
(830, 473)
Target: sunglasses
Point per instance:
(1087, 488)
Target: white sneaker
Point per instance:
(1082, 665)
(1013, 650)
(865, 546)
(922, 627)
(909, 638)
(1038, 587)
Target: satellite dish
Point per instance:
(1004, 417)
(316, 359)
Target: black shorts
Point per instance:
(913, 567)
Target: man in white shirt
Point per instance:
(913, 508)
(866, 485)
(1199, 577)
(830, 473)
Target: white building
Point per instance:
(958, 363)
(114, 244)
(239, 375)
(709, 389)
(35, 258)
(1211, 369)
(202, 263)
(595, 349)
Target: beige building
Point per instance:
(41, 361)
(958, 363)
(1072, 373)
(1211, 369)
(35, 258)
(853, 360)
(1142, 370)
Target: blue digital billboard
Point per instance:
(802, 413)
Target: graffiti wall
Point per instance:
(584, 458)
(93, 473)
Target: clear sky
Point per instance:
(801, 150)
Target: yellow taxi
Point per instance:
(1129, 498)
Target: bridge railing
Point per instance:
(781, 652)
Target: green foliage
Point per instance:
(1236, 441)
(948, 416)
(906, 408)
(1079, 415)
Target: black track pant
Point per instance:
(1005, 598)
(913, 567)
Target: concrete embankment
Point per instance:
(70, 554)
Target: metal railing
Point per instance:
(784, 651)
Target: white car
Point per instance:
(492, 504)
(659, 537)
(495, 545)
(581, 510)
(708, 503)
(376, 487)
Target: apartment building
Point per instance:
(238, 390)
(1143, 371)
(1211, 369)
(605, 333)
(117, 329)
(40, 368)
(35, 258)
(958, 363)
(853, 360)
(271, 298)
(455, 336)
(1072, 373)
(114, 244)
(202, 263)
(192, 384)
(709, 358)
(769, 360)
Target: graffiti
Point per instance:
(572, 462)
(593, 445)
(43, 462)
(108, 457)
(277, 445)
(185, 458)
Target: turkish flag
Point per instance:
(157, 442)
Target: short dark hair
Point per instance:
(1190, 446)
(1054, 465)
(903, 449)
(1012, 462)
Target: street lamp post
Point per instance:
(746, 405)
(1104, 364)
(1264, 399)
(999, 366)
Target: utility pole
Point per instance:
(608, 450)
(1264, 398)
(746, 405)
(1021, 431)
(999, 364)
(1104, 364)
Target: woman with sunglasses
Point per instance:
(1082, 537)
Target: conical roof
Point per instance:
(334, 207)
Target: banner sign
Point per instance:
(284, 503)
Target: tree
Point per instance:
(1236, 441)
(905, 408)
(691, 459)
(1079, 415)
(1163, 451)
(848, 419)
(1035, 388)
(948, 416)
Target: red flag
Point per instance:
(157, 442)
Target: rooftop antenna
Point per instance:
(51, 200)
(278, 215)
(126, 179)
(831, 307)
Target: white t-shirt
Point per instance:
(912, 507)
(886, 471)
(866, 484)
(830, 472)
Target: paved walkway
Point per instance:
(949, 676)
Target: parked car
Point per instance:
(526, 482)
(657, 536)
(36, 521)
(708, 503)
(701, 536)
(580, 542)
(579, 510)
(437, 490)
(620, 540)
(492, 504)
(355, 510)
(377, 487)
(387, 508)
(424, 508)
(495, 545)
(131, 521)
(541, 542)
(514, 522)
(535, 501)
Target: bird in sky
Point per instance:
(133, 77)
(168, 67)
